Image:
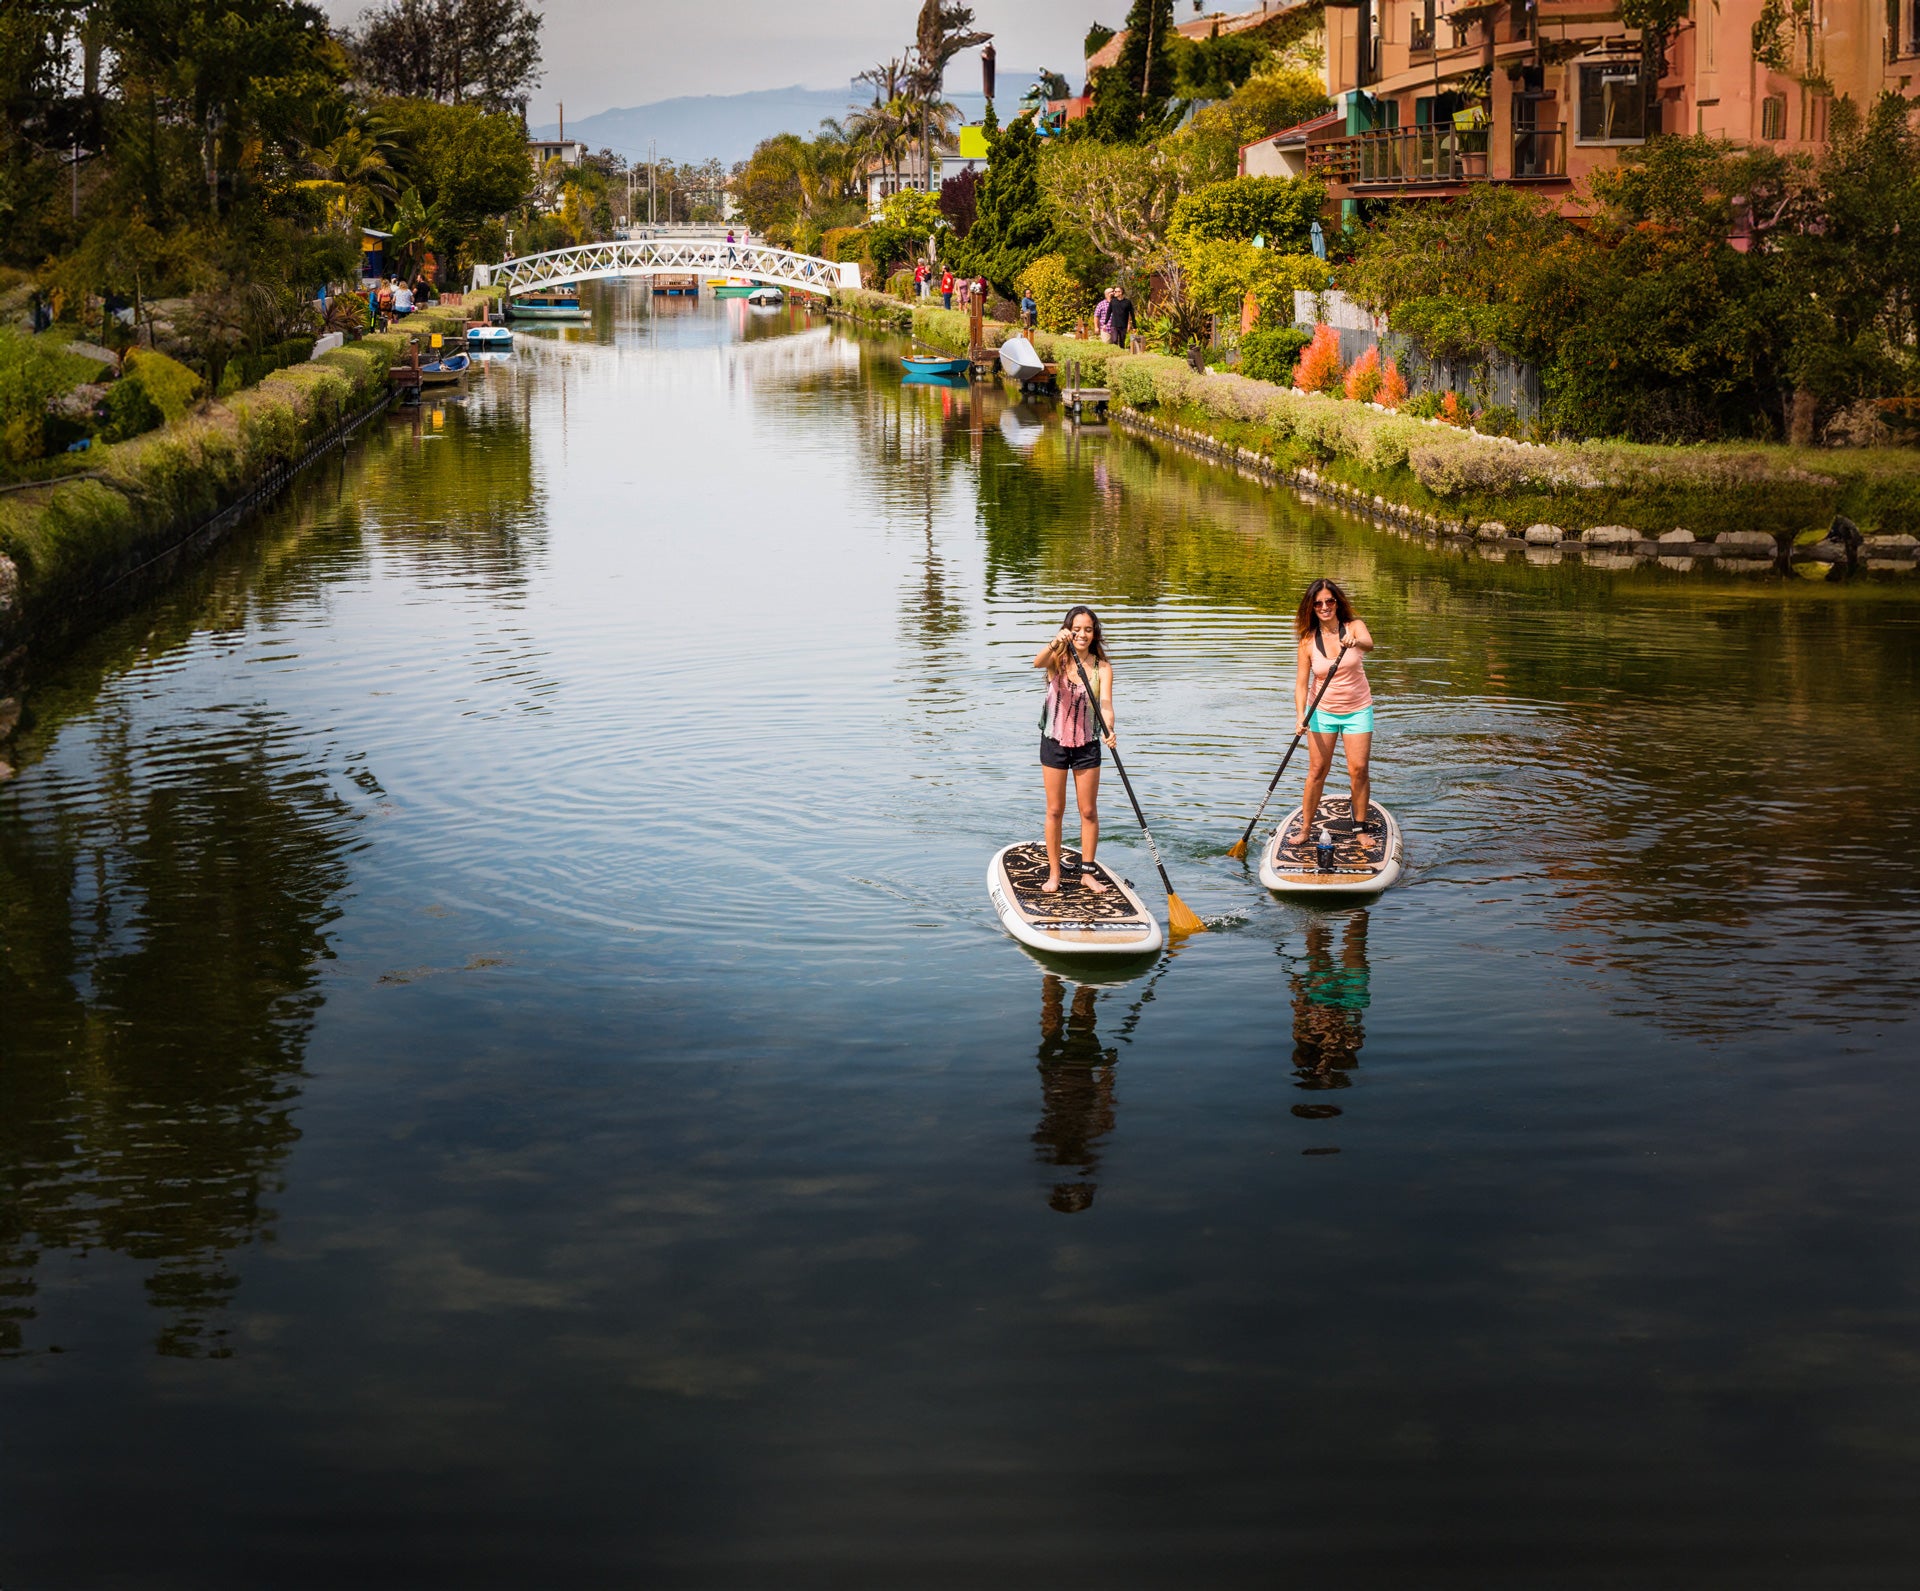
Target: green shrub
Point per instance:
(1422, 406)
(30, 377)
(131, 411)
(1271, 355)
(1498, 420)
(169, 384)
(1061, 300)
(1279, 209)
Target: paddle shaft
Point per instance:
(1299, 734)
(1100, 727)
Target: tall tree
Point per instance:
(1131, 97)
(1012, 224)
(479, 52)
(943, 30)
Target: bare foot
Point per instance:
(1052, 885)
(1092, 880)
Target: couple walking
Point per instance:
(1330, 640)
(1113, 316)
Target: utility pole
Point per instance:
(651, 164)
(76, 179)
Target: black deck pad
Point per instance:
(1027, 870)
(1353, 852)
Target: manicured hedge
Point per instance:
(1464, 476)
(72, 538)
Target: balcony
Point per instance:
(1420, 37)
(1410, 157)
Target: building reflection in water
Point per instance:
(1330, 994)
(1076, 1092)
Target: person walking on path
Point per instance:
(1325, 624)
(946, 289)
(1120, 316)
(1069, 745)
(1103, 316)
(920, 280)
(1029, 312)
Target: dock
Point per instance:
(1084, 403)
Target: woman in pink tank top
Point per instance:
(1326, 624)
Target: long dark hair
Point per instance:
(1099, 647)
(1305, 621)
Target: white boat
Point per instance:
(1076, 921)
(488, 339)
(1347, 862)
(547, 303)
(1020, 361)
(764, 297)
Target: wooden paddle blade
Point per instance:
(1181, 918)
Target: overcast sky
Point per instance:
(599, 54)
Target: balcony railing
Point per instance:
(1539, 152)
(1412, 156)
(1420, 38)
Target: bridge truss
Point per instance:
(592, 262)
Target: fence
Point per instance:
(1495, 381)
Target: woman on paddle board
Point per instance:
(1325, 624)
(1069, 743)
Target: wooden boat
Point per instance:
(932, 365)
(549, 303)
(1075, 922)
(492, 339)
(1354, 863)
(444, 371)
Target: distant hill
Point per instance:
(729, 125)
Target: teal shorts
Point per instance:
(1356, 723)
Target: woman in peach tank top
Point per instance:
(1325, 623)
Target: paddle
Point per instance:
(1240, 845)
(1180, 916)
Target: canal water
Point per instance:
(509, 1076)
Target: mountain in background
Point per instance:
(729, 125)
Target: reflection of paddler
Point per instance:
(1329, 994)
(1076, 1091)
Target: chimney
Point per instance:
(986, 71)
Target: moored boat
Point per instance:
(931, 365)
(730, 286)
(491, 339)
(444, 371)
(766, 297)
(547, 303)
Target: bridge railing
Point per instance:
(655, 256)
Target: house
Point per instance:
(1432, 97)
(884, 179)
(568, 151)
(1284, 154)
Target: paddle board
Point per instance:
(1075, 922)
(1362, 864)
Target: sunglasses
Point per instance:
(1326, 602)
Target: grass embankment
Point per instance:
(69, 540)
(1463, 478)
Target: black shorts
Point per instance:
(1075, 759)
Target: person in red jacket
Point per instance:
(946, 289)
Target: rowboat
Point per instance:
(929, 365)
(1020, 362)
(730, 286)
(445, 371)
(553, 303)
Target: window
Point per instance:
(1421, 41)
(1613, 103)
(1773, 116)
(1709, 35)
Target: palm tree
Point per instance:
(943, 30)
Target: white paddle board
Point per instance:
(1361, 864)
(1077, 921)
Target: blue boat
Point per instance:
(493, 338)
(925, 365)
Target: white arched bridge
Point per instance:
(594, 262)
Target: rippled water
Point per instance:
(508, 1074)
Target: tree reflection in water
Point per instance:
(1329, 993)
(164, 899)
(1076, 1091)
